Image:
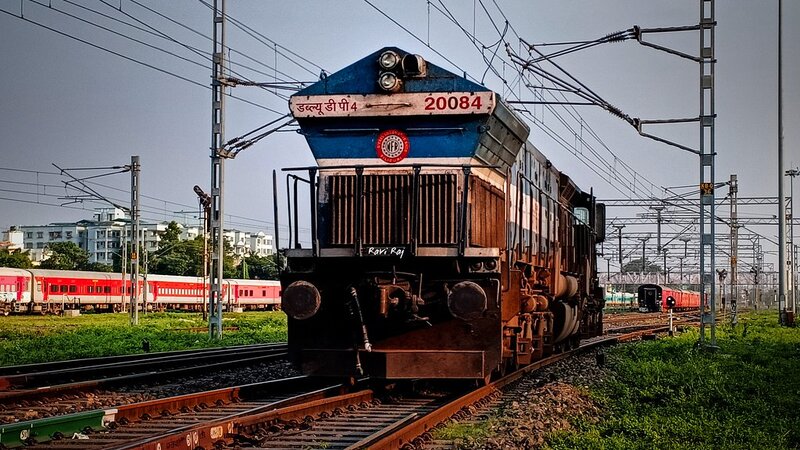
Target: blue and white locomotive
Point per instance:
(444, 245)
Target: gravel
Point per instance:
(543, 402)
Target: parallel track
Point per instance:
(145, 382)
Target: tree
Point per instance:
(171, 235)
(258, 267)
(66, 256)
(98, 267)
(175, 258)
(635, 266)
(15, 258)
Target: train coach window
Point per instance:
(38, 286)
(263, 293)
(73, 289)
(250, 293)
(63, 288)
(53, 288)
(90, 289)
(107, 289)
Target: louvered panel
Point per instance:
(386, 209)
(487, 215)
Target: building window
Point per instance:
(29, 245)
(69, 234)
(40, 245)
(29, 235)
(39, 234)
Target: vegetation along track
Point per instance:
(124, 380)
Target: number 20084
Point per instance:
(452, 103)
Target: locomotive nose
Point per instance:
(467, 300)
(300, 300)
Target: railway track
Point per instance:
(358, 418)
(17, 378)
(139, 422)
(131, 380)
(279, 414)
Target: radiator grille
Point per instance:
(387, 209)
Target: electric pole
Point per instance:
(622, 277)
(644, 242)
(217, 170)
(135, 168)
(734, 293)
(205, 206)
(793, 255)
(781, 199)
(658, 210)
(707, 62)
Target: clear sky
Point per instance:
(69, 103)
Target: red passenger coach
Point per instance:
(256, 294)
(42, 291)
(170, 291)
(66, 289)
(653, 298)
(15, 290)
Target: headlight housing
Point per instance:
(467, 300)
(300, 300)
(389, 60)
(390, 82)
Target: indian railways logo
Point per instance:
(392, 146)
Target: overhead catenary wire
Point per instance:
(198, 52)
(131, 59)
(549, 131)
(146, 207)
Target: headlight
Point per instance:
(467, 300)
(389, 60)
(388, 81)
(300, 300)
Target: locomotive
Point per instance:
(443, 244)
(656, 298)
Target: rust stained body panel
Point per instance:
(487, 215)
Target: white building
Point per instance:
(261, 244)
(37, 237)
(103, 237)
(13, 239)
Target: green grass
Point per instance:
(668, 394)
(31, 339)
(466, 435)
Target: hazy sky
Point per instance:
(75, 105)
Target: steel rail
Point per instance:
(72, 372)
(148, 376)
(84, 362)
(139, 422)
